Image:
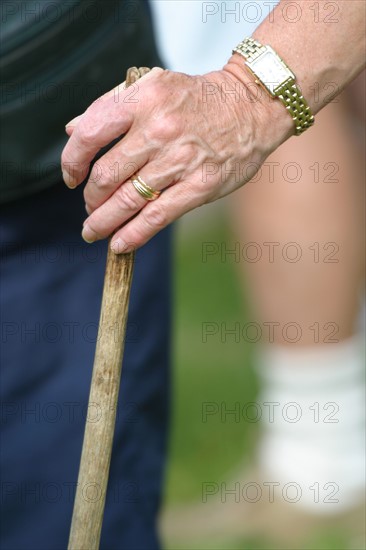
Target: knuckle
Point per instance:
(87, 132)
(187, 154)
(96, 227)
(97, 176)
(128, 197)
(155, 217)
(100, 176)
(104, 176)
(164, 128)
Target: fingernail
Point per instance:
(120, 247)
(88, 211)
(70, 181)
(88, 234)
(73, 122)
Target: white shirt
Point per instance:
(196, 36)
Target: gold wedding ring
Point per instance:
(147, 192)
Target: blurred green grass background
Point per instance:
(214, 372)
(206, 372)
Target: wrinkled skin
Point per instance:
(191, 138)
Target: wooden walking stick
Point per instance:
(91, 489)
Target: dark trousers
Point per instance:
(51, 287)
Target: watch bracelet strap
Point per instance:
(250, 49)
(289, 94)
(291, 97)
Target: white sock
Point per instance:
(315, 436)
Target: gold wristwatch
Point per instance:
(274, 75)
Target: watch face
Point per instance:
(270, 69)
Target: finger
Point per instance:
(105, 120)
(120, 207)
(88, 137)
(126, 159)
(114, 168)
(70, 126)
(171, 205)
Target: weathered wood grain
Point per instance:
(91, 489)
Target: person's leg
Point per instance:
(306, 204)
(50, 300)
(304, 212)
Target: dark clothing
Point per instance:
(56, 58)
(54, 64)
(50, 300)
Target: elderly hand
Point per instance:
(195, 139)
